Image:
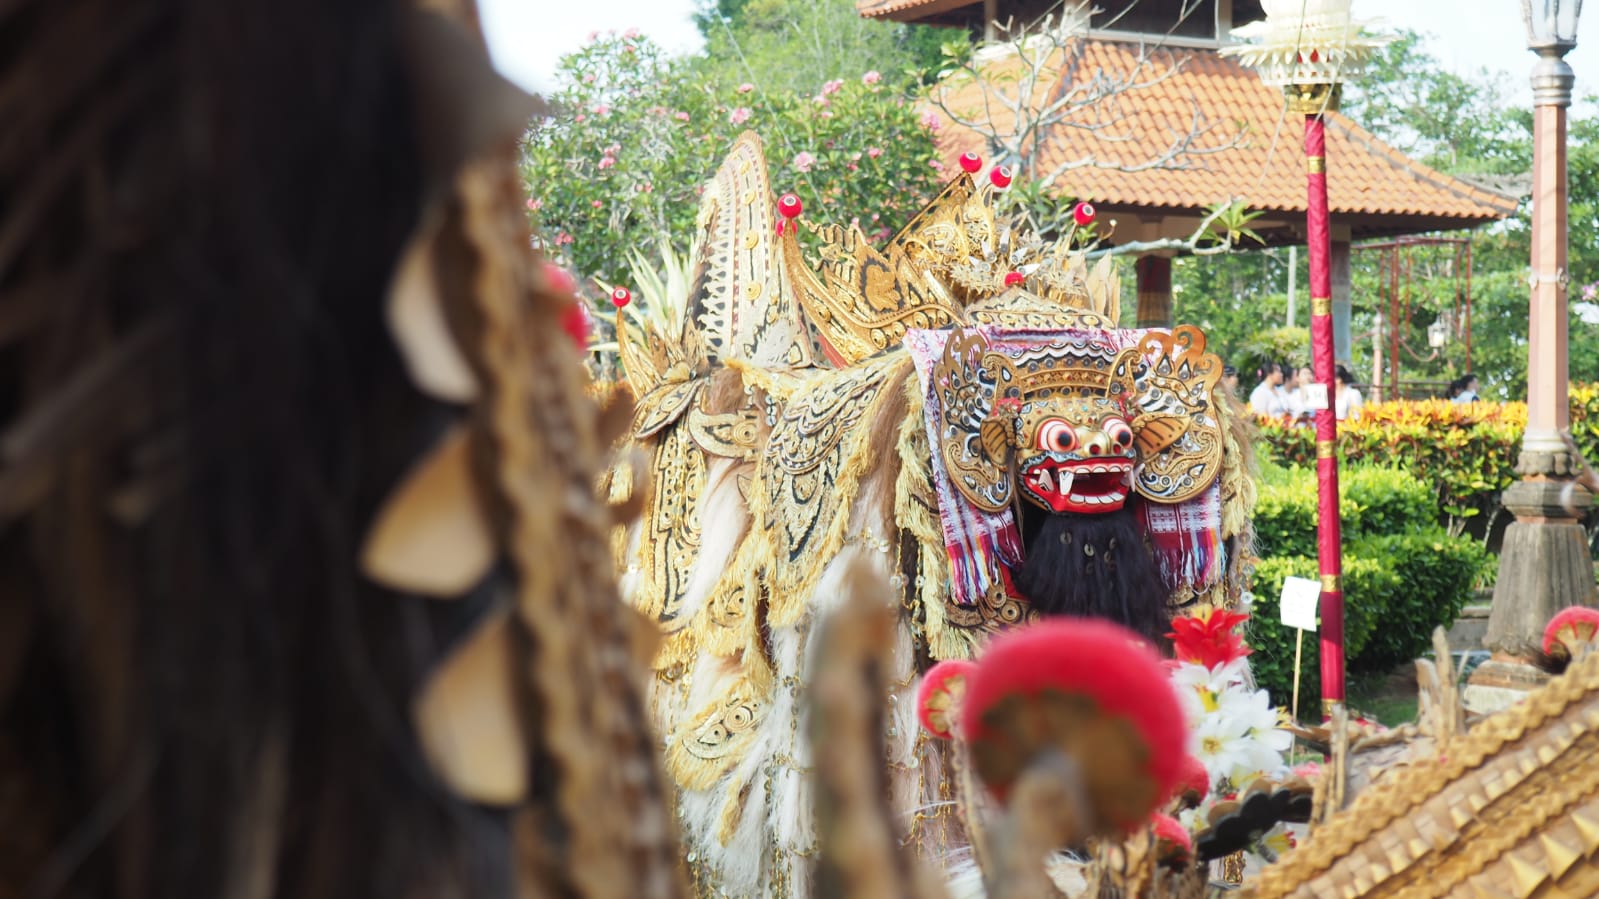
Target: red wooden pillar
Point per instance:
(1329, 538)
(1154, 291)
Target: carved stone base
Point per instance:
(1543, 567)
(1500, 683)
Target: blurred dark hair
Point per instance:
(1341, 372)
(199, 694)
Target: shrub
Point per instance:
(1408, 584)
(1436, 573)
(1367, 585)
(1371, 501)
(1465, 453)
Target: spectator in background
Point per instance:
(1298, 391)
(1468, 389)
(1267, 398)
(1229, 381)
(1347, 400)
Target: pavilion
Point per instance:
(1249, 151)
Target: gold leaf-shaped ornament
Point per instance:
(467, 720)
(431, 536)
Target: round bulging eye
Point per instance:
(1119, 432)
(1056, 435)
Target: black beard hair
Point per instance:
(1094, 566)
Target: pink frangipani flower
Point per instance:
(739, 116)
(803, 161)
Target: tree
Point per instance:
(794, 45)
(1028, 93)
(621, 166)
(1463, 126)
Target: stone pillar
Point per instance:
(1154, 291)
(1544, 566)
(1342, 304)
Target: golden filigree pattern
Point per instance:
(670, 544)
(812, 468)
(997, 610)
(861, 301)
(1018, 309)
(731, 435)
(740, 301)
(965, 388)
(664, 405)
(713, 742)
(1176, 395)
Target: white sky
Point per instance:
(527, 36)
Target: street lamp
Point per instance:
(1308, 47)
(1544, 565)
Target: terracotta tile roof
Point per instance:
(1371, 186)
(877, 9)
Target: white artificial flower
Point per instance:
(1220, 745)
(1239, 740)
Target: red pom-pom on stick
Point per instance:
(1092, 689)
(938, 699)
(621, 297)
(1000, 176)
(1083, 214)
(1193, 778)
(1174, 845)
(1014, 278)
(1571, 629)
(789, 206)
(971, 163)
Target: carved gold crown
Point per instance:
(957, 261)
(1078, 370)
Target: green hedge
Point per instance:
(1465, 454)
(1367, 584)
(1370, 501)
(1400, 570)
(1436, 574)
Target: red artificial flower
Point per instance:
(1210, 639)
(1570, 629)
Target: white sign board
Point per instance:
(1316, 396)
(1300, 601)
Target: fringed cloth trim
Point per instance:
(915, 513)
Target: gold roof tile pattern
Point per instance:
(1370, 184)
(1530, 778)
